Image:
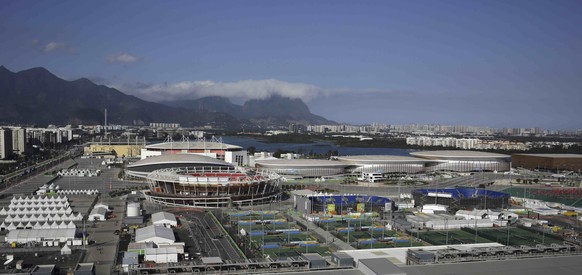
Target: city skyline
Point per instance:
(490, 63)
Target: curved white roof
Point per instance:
(458, 154)
(379, 159)
(192, 145)
(295, 163)
(179, 159)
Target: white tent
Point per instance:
(10, 218)
(3, 212)
(28, 235)
(97, 214)
(28, 225)
(63, 225)
(11, 226)
(20, 225)
(54, 225)
(66, 250)
(155, 234)
(164, 219)
(46, 225)
(3, 226)
(57, 218)
(79, 216)
(71, 225)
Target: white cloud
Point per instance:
(52, 46)
(243, 89)
(121, 58)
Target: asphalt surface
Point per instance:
(212, 240)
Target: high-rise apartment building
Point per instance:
(5, 143)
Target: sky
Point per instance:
(484, 63)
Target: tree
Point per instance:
(251, 150)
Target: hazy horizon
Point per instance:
(483, 63)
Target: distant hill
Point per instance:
(275, 110)
(36, 96)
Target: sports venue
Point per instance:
(340, 204)
(462, 198)
(418, 162)
(463, 161)
(303, 168)
(214, 148)
(552, 162)
(190, 180)
(142, 168)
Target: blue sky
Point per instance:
(491, 63)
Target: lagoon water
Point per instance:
(316, 147)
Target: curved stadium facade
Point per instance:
(418, 162)
(208, 186)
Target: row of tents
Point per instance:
(78, 192)
(38, 204)
(39, 199)
(37, 225)
(44, 217)
(40, 210)
(79, 173)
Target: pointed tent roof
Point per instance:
(11, 226)
(46, 225)
(71, 225)
(66, 250)
(63, 225)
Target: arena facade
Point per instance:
(212, 186)
(383, 164)
(303, 168)
(464, 161)
(551, 162)
(462, 198)
(214, 148)
(419, 162)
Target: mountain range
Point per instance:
(36, 96)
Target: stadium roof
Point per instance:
(569, 156)
(300, 163)
(192, 145)
(458, 154)
(377, 159)
(179, 158)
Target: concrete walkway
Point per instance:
(324, 235)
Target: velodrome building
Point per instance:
(418, 162)
(463, 161)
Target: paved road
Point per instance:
(103, 251)
(209, 235)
